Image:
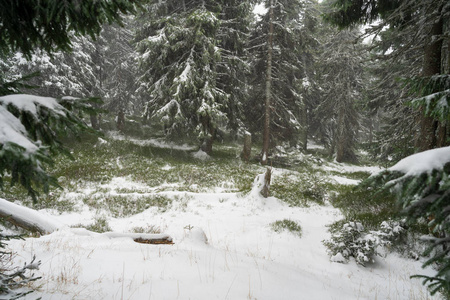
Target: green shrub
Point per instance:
(100, 225)
(286, 224)
(353, 240)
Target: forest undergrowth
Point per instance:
(151, 173)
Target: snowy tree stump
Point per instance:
(265, 192)
(246, 152)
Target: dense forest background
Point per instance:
(202, 71)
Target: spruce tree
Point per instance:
(233, 69)
(179, 60)
(278, 70)
(342, 80)
(422, 25)
(48, 25)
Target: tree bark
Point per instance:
(268, 101)
(120, 120)
(94, 122)
(210, 133)
(246, 152)
(304, 129)
(427, 135)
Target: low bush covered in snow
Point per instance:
(352, 240)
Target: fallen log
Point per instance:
(142, 238)
(36, 222)
(27, 218)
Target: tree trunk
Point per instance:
(304, 129)
(27, 218)
(265, 192)
(210, 133)
(427, 135)
(268, 101)
(120, 120)
(246, 152)
(340, 137)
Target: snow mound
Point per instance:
(201, 155)
(258, 185)
(196, 235)
(422, 162)
(339, 258)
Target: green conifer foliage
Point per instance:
(290, 57)
(179, 59)
(424, 197)
(47, 24)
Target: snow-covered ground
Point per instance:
(224, 248)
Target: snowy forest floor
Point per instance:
(227, 244)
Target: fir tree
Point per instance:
(278, 72)
(48, 25)
(421, 25)
(234, 69)
(421, 184)
(179, 59)
(342, 81)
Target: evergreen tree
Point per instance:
(179, 59)
(119, 69)
(278, 72)
(342, 81)
(423, 193)
(48, 25)
(31, 125)
(233, 69)
(422, 25)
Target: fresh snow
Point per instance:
(224, 248)
(201, 155)
(423, 162)
(30, 216)
(160, 143)
(12, 131)
(30, 102)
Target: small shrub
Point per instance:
(147, 229)
(101, 225)
(352, 240)
(286, 224)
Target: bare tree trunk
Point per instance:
(304, 130)
(246, 152)
(265, 192)
(210, 133)
(427, 135)
(266, 133)
(120, 120)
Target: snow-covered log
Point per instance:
(27, 218)
(35, 221)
